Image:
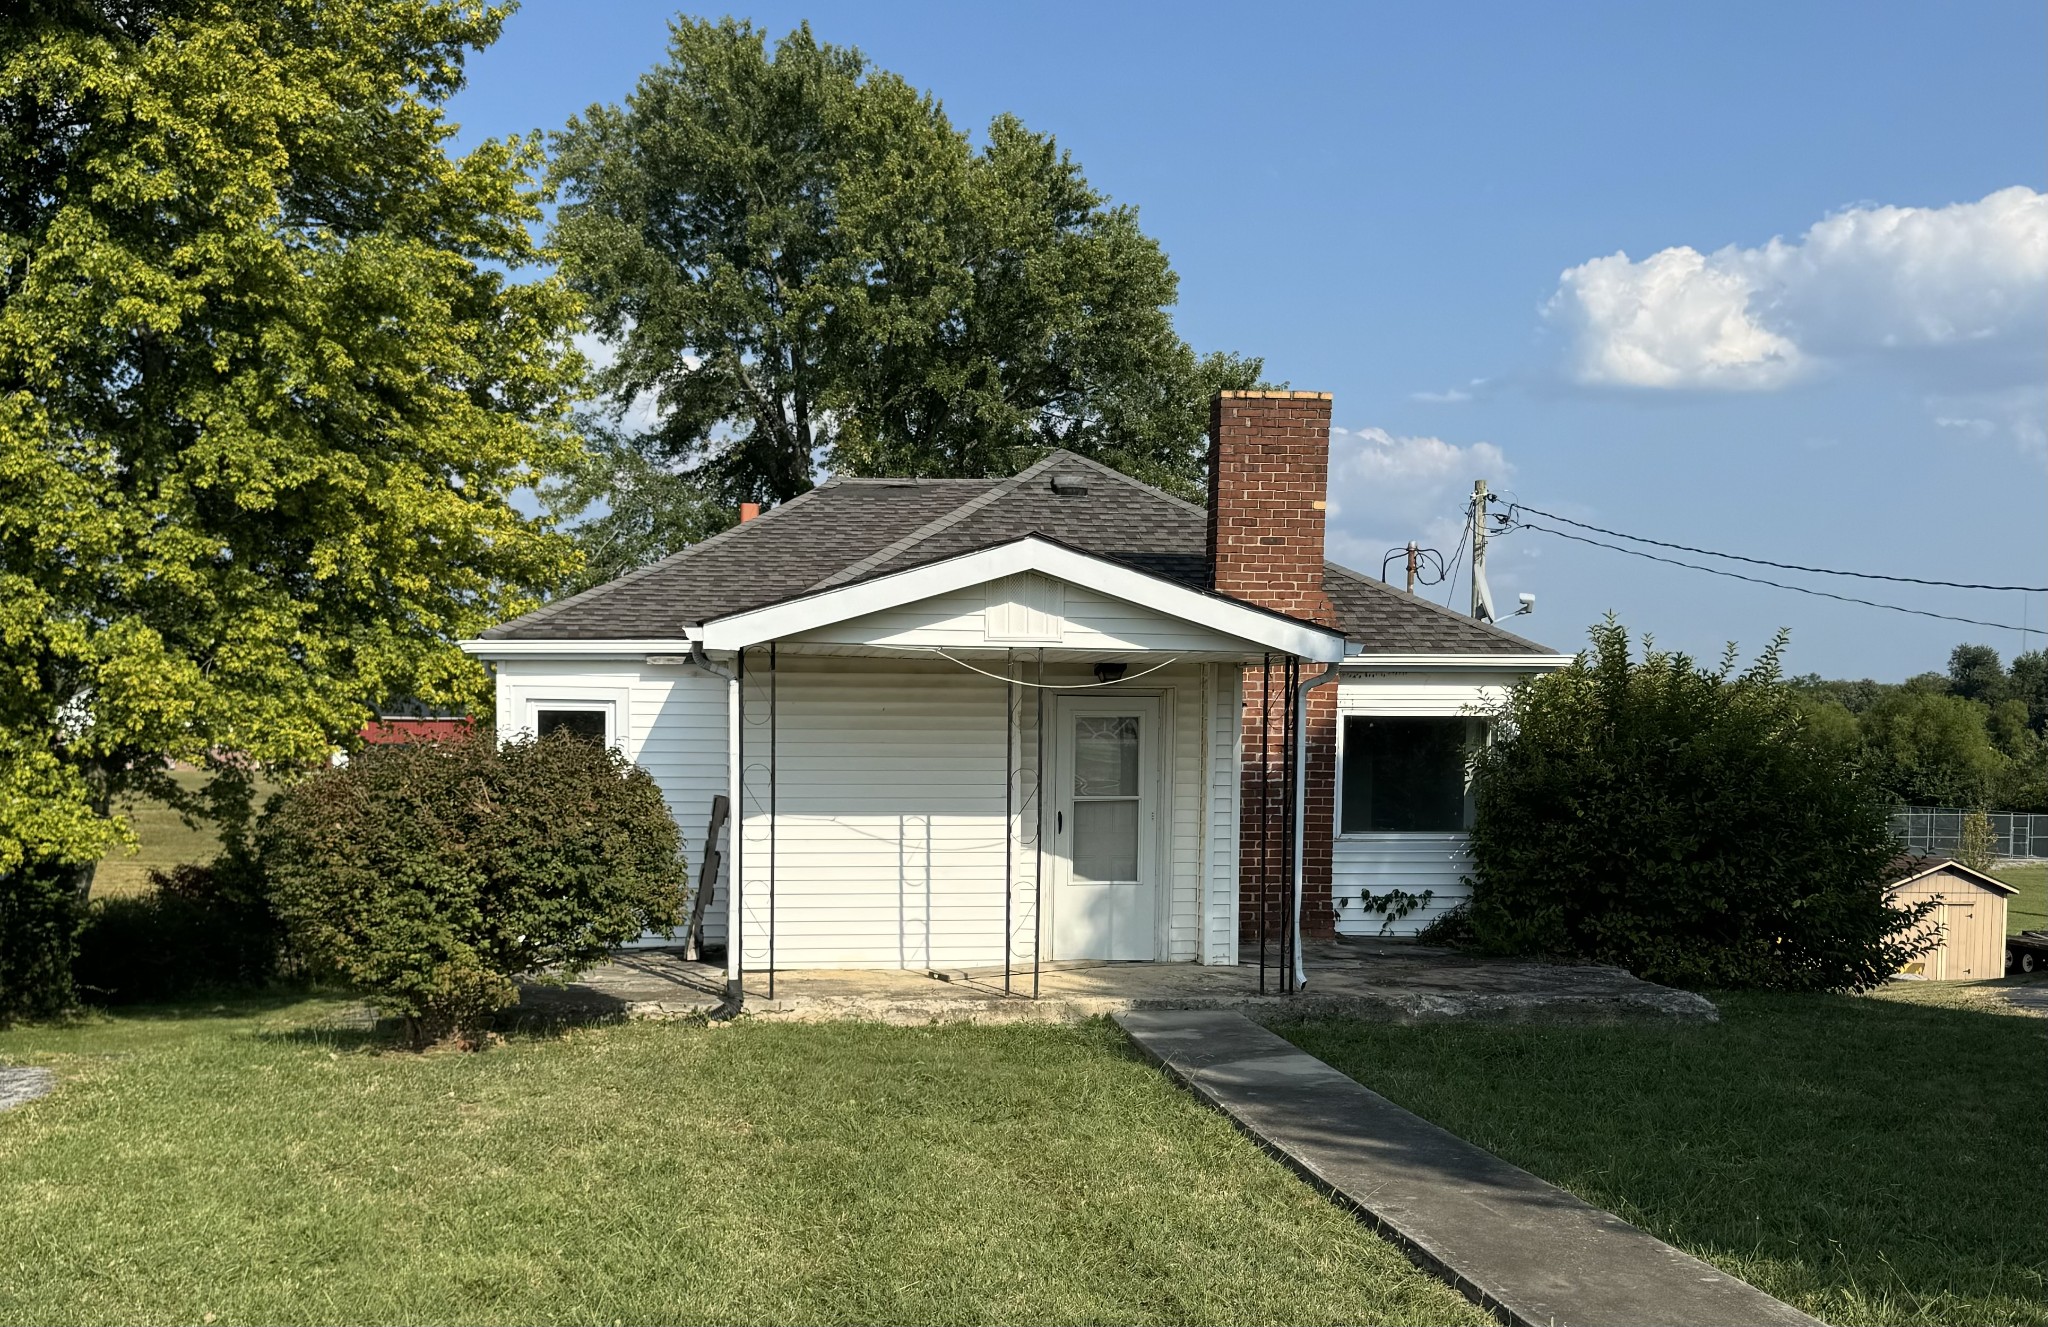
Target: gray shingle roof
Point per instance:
(849, 530)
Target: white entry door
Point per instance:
(1105, 828)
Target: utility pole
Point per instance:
(1412, 551)
(1482, 596)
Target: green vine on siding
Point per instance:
(1393, 905)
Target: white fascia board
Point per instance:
(1513, 663)
(794, 616)
(578, 649)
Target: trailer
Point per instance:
(2027, 952)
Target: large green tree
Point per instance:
(1933, 750)
(798, 259)
(267, 387)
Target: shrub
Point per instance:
(39, 918)
(429, 875)
(1978, 849)
(197, 930)
(1685, 824)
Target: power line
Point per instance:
(1758, 580)
(1457, 556)
(1513, 507)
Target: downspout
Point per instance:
(1301, 690)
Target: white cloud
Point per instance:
(1868, 280)
(1387, 489)
(1449, 396)
(2017, 414)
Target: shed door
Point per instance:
(1105, 829)
(1960, 941)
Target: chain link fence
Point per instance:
(1930, 831)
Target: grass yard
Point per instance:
(2028, 909)
(163, 839)
(1878, 1159)
(265, 1164)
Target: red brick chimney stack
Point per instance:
(1269, 464)
(748, 511)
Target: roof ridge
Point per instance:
(909, 479)
(1374, 583)
(889, 552)
(604, 588)
(1132, 480)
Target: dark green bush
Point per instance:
(39, 919)
(1682, 823)
(197, 930)
(429, 875)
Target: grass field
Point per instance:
(257, 1164)
(2028, 909)
(1871, 1160)
(162, 840)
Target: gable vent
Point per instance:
(1072, 486)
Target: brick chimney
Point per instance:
(1269, 463)
(1269, 468)
(748, 511)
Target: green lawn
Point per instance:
(2028, 909)
(1872, 1160)
(262, 1164)
(162, 840)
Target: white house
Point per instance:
(1050, 717)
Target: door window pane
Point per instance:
(1404, 774)
(1106, 841)
(586, 724)
(1106, 755)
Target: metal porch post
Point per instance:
(774, 772)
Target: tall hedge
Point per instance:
(196, 930)
(430, 875)
(40, 916)
(1683, 823)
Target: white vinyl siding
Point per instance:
(1071, 616)
(888, 818)
(1411, 862)
(889, 813)
(1377, 863)
(1225, 689)
(669, 720)
(889, 797)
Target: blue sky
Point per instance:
(1419, 208)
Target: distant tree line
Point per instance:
(1975, 736)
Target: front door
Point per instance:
(1105, 827)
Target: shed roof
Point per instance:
(1909, 869)
(848, 530)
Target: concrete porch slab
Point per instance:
(1384, 981)
(1512, 1243)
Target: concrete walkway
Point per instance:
(1392, 982)
(1524, 1249)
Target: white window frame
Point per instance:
(614, 705)
(1477, 734)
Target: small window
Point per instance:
(1405, 774)
(587, 724)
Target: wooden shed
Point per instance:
(1970, 912)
